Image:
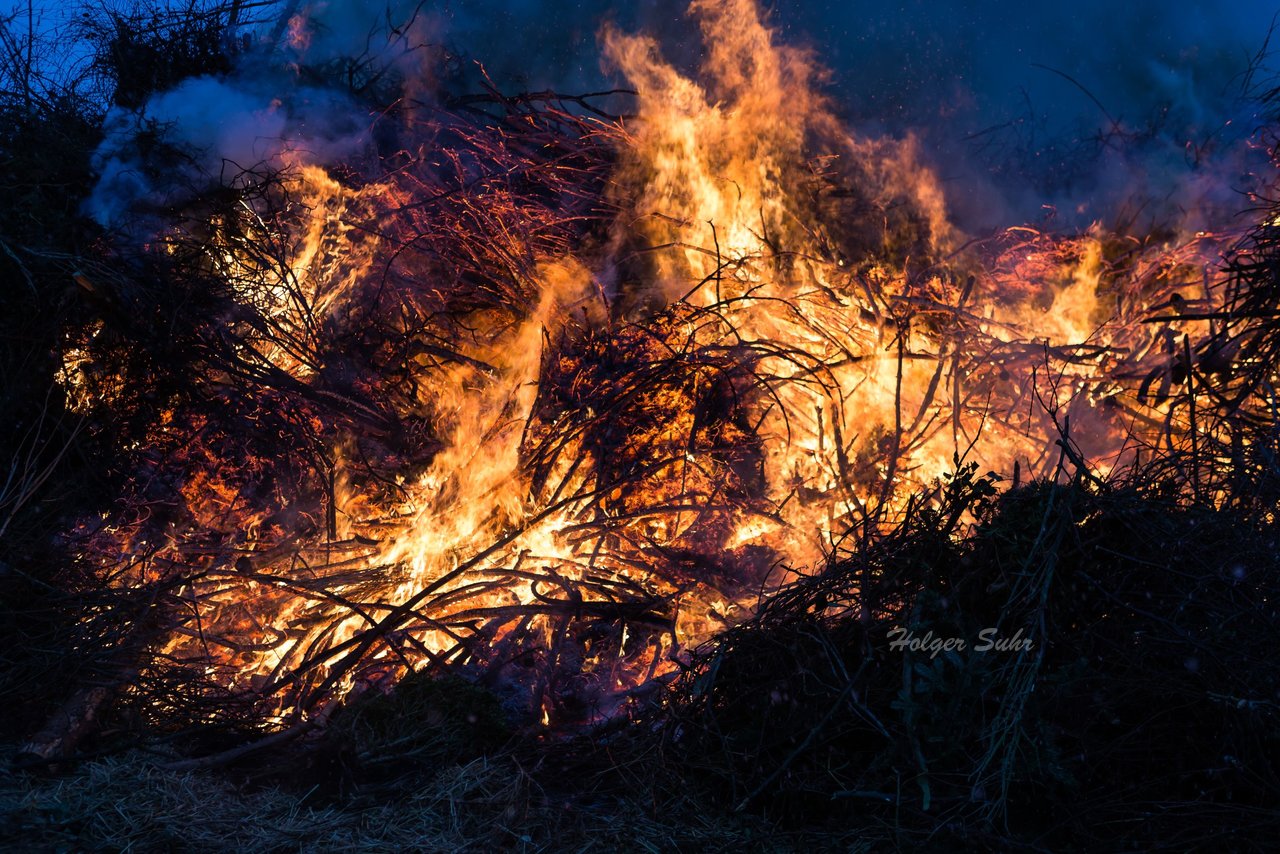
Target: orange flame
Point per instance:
(818, 345)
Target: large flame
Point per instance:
(781, 339)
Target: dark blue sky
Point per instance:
(959, 63)
(915, 59)
(983, 82)
(947, 70)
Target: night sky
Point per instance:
(984, 84)
(900, 63)
(1009, 97)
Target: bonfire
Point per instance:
(639, 408)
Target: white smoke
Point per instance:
(261, 116)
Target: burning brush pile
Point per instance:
(663, 404)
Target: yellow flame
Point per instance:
(854, 311)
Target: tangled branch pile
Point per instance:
(660, 417)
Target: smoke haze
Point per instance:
(1134, 114)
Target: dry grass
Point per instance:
(129, 802)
